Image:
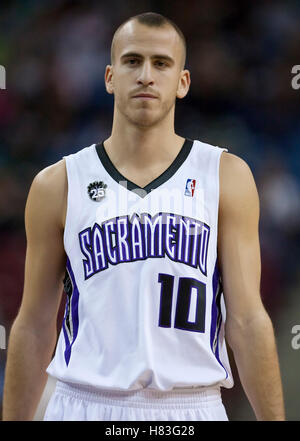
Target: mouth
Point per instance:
(145, 96)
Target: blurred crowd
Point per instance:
(240, 55)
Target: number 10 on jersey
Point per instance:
(190, 303)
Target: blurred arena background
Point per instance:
(240, 55)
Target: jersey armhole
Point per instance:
(68, 202)
(218, 201)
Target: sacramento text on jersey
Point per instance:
(139, 237)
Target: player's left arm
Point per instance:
(248, 329)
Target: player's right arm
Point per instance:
(33, 335)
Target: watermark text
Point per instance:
(2, 77)
(296, 79)
(2, 337)
(296, 339)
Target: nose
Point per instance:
(145, 77)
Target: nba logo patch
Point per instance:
(190, 187)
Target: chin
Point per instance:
(144, 121)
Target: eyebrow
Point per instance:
(157, 56)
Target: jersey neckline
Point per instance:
(161, 179)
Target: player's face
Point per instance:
(147, 60)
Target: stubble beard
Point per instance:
(145, 118)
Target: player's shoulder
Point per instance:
(49, 186)
(48, 194)
(51, 176)
(233, 160)
(237, 182)
(234, 168)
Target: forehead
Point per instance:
(147, 40)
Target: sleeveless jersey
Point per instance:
(145, 306)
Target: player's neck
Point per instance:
(143, 145)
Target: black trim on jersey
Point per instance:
(165, 176)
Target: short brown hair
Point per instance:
(151, 19)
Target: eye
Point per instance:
(160, 63)
(132, 61)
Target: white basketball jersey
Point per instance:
(144, 304)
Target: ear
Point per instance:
(183, 84)
(108, 77)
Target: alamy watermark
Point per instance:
(2, 337)
(2, 77)
(296, 79)
(177, 199)
(296, 339)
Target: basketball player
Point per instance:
(148, 230)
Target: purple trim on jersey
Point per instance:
(213, 308)
(73, 316)
(216, 315)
